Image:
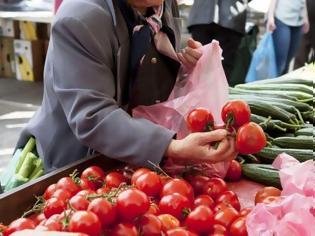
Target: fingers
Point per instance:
(213, 136)
(196, 54)
(193, 44)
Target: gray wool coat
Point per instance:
(85, 76)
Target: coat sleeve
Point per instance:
(83, 65)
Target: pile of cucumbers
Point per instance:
(284, 108)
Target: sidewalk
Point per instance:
(18, 102)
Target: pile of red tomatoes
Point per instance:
(140, 202)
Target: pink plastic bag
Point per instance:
(206, 86)
(294, 214)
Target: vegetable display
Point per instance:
(284, 109)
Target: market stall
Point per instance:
(203, 205)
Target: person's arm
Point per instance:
(306, 26)
(271, 26)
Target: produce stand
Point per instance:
(17, 201)
(14, 203)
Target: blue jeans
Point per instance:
(286, 41)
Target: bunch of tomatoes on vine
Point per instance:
(250, 137)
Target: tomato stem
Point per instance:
(37, 207)
(158, 168)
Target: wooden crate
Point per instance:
(17, 201)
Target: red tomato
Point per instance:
(229, 197)
(36, 218)
(79, 203)
(175, 205)
(250, 139)
(236, 113)
(103, 190)
(178, 186)
(219, 229)
(199, 120)
(154, 209)
(18, 225)
(132, 203)
(214, 187)
(178, 232)
(50, 191)
(266, 192)
(164, 179)
(52, 224)
(124, 229)
(53, 206)
(204, 200)
(200, 220)
(2, 228)
(85, 192)
(85, 222)
(226, 216)
(106, 212)
(138, 173)
(168, 222)
(149, 183)
(95, 175)
(234, 172)
(221, 206)
(198, 182)
(115, 179)
(86, 184)
(245, 211)
(150, 225)
(68, 184)
(62, 195)
(238, 227)
(270, 199)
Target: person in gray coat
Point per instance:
(102, 61)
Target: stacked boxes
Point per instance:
(22, 49)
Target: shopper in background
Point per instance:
(106, 57)
(306, 52)
(221, 20)
(288, 21)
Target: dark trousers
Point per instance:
(229, 42)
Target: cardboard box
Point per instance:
(29, 59)
(7, 61)
(18, 200)
(9, 28)
(33, 31)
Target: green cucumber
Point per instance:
(262, 173)
(28, 165)
(284, 80)
(15, 181)
(27, 148)
(268, 154)
(265, 109)
(274, 94)
(296, 94)
(305, 131)
(284, 87)
(299, 105)
(299, 142)
(266, 123)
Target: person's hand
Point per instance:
(190, 55)
(271, 26)
(196, 147)
(306, 26)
